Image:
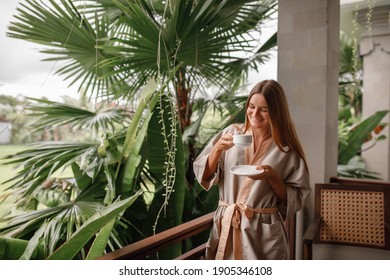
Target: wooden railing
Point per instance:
(143, 248)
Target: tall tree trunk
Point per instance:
(185, 113)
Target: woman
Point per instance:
(248, 221)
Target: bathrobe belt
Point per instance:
(232, 218)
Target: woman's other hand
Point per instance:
(268, 172)
(273, 179)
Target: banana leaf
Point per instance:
(358, 135)
(134, 138)
(13, 248)
(100, 242)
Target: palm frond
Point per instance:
(43, 159)
(54, 225)
(47, 113)
(113, 47)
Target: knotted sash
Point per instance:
(232, 218)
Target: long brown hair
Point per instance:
(282, 127)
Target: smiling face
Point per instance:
(257, 112)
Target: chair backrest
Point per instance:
(353, 214)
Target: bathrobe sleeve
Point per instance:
(298, 188)
(200, 165)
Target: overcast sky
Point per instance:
(21, 68)
(23, 72)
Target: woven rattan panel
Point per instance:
(352, 217)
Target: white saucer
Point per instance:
(245, 170)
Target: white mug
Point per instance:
(242, 140)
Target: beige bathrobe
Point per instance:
(248, 221)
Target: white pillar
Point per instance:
(308, 50)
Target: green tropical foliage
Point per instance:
(13, 249)
(350, 81)
(48, 113)
(351, 143)
(166, 64)
(354, 131)
(63, 123)
(61, 207)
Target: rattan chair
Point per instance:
(350, 214)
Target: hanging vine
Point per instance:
(356, 79)
(166, 108)
(355, 56)
(369, 15)
(169, 134)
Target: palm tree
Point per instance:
(163, 57)
(115, 47)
